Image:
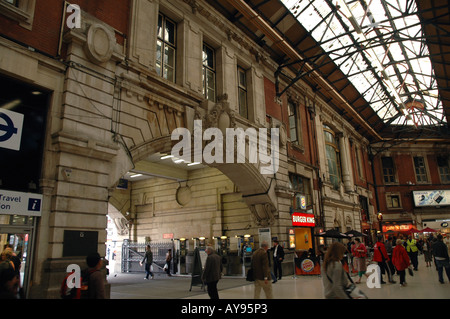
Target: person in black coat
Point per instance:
(441, 257)
(278, 257)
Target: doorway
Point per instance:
(19, 239)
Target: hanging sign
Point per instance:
(431, 198)
(17, 203)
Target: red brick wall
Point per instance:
(45, 32)
(280, 112)
(405, 172)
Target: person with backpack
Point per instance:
(87, 285)
(96, 283)
(380, 256)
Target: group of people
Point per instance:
(9, 274)
(391, 258)
(148, 260)
(263, 276)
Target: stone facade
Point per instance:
(110, 111)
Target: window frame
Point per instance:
(293, 114)
(335, 179)
(208, 70)
(242, 89)
(21, 11)
(166, 45)
(383, 171)
(305, 189)
(420, 171)
(440, 159)
(390, 200)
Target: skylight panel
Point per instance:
(390, 34)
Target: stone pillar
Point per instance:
(346, 166)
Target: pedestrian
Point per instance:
(389, 248)
(9, 283)
(381, 257)
(335, 279)
(261, 271)
(400, 260)
(427, 251)
(96, 281)
(212, 272)
(6, 259)
(278, 257)
(148, 259)
(413, 251)
(359, 253)
(168, 261)
(441, 258)
(272, 275)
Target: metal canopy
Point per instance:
(387, 59)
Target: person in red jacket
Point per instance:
(381, 257)
(400, 259)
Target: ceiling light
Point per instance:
(195, 163)
(166, 157)
(135, 175)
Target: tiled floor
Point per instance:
(423, 285)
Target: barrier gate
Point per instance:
(133, 253)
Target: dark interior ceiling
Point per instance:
(322, 67)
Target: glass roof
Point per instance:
(380, 47)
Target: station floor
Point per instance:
(423, 285)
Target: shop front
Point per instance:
(302, 241)
(398, 229)
(18, 220)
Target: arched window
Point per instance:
(333, 156)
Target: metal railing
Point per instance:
(133, 253)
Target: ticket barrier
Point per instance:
(246, 245)
(182, 250)
(223, 249)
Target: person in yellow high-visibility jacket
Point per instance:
(413, 251)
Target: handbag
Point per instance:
(250, 276)
(410, 271)
(352, 291)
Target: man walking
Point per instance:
(413, 251)
(440, 252)
(148, 259)
(261, 271)
(278, 257)
(212, 272)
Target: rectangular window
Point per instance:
(388, 169)
(333, 157)
(393, 201)
(444, 169)
(359, 163)
(165, 48)
(292, 114)
(242, 91)
(209, 73)
(302, 190)
(13, 2)
(421, 171)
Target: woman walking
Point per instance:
(359, 252)
(400, 259)
(335, 279)
(427, 251)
